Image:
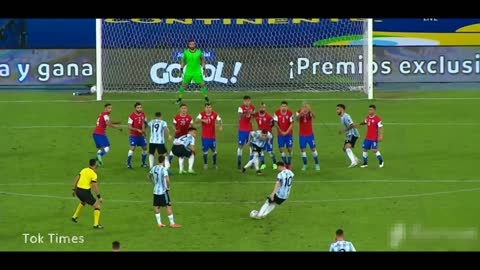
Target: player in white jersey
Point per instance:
(257, 140)
(184, 147)
(159, 176)
(158, 127)
(340, 245)
(351, 134)
(281, 191)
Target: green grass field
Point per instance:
(425, 198)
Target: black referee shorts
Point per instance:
(85, 195)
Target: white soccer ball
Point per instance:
(93, 89)
(253, 213)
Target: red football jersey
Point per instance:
(245, 122)
(101, 127)
(283, 121)
(305, 126)
(182, 123)
(373, 123)
(264, 121)
(208, 129)
(137, 120)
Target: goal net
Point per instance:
(241, 54)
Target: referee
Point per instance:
(84, 181)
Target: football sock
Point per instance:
(350, 155)
(205, 158)
(255, 160)
(151, 160)
(78, 210)
(315, 157)
(214, 158)
(262, 158)
(170, 157)
(96, 216)
(270, 208)
(181, 90)
(167, 163)
(289, 158)
(249, 163)
(191, 159)
(170, 218)
(159, 219)
(251, 155)
(204, 91)
(379, 157)
(239, 157)
(304, 158)
(180, 163)
(365, 157)
(263, 209)
(129, 157)
(272, 156)
(144, 157)
(284, 158)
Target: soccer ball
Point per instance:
(93, 89)
(253, 213)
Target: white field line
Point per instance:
(254, 202)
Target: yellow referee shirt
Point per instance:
(87, 176)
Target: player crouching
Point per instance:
(184, 147)
(257, 140)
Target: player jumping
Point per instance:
(136, 124)
(99, 133)
(283, 118)
(181, 123)
(158, 127)
(265, 121)
(373, 137)
(304, 117)
(351, 134)
(257, 140)
(209, 119)
(281, 191)
(245, 112)
(184, 147)
(193, 58)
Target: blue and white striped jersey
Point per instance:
(185, 140)
(157, 128)
(342, 246)
(257, 138)
(285, 178)
(346, 122)
(159, 178)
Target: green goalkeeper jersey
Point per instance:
(192, 60)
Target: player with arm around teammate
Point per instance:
(373, 137)
(136, 124)
(280, 193)
(158, 127)
(257, 141)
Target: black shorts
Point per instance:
(160, 148)
(180, 151)
(85, 195)
(351, 140)
(256, 148)
(276, 199)
(161, 200)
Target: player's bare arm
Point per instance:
(168, 133)
(277, 185)
(220, 125)
(341, 131)
(113, 124)
(380, 134)
(192, 148)
(168, 182)
(289, 128)
(130, 127)
(150, 178)
(75, 184)
(94, 186)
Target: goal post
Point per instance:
(275, 54)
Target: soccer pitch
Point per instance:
(426, 198)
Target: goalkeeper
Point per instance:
(193, 58)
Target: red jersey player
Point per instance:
(245, 113)
(265, 121)
(373, 137)
(209, 118)
(304, 118)
(283, 118)
(99, 133)
(181, 123)
(136, 124)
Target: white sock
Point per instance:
(130, 153)
(315, 153)
(191, 159)
(269, 209)
(365, 154)
(350, 155)
(180, 163)
(170, 218)
(159, 220)
(239, 152)
(282, 154)
(106, 149)
(167, 163)
(151, 159)
(304, 154)
(249, 163)
(263, 209)
(171, 154)
(255, 160)
(250, 151)
(378, 154)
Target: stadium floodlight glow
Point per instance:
(309, 54)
